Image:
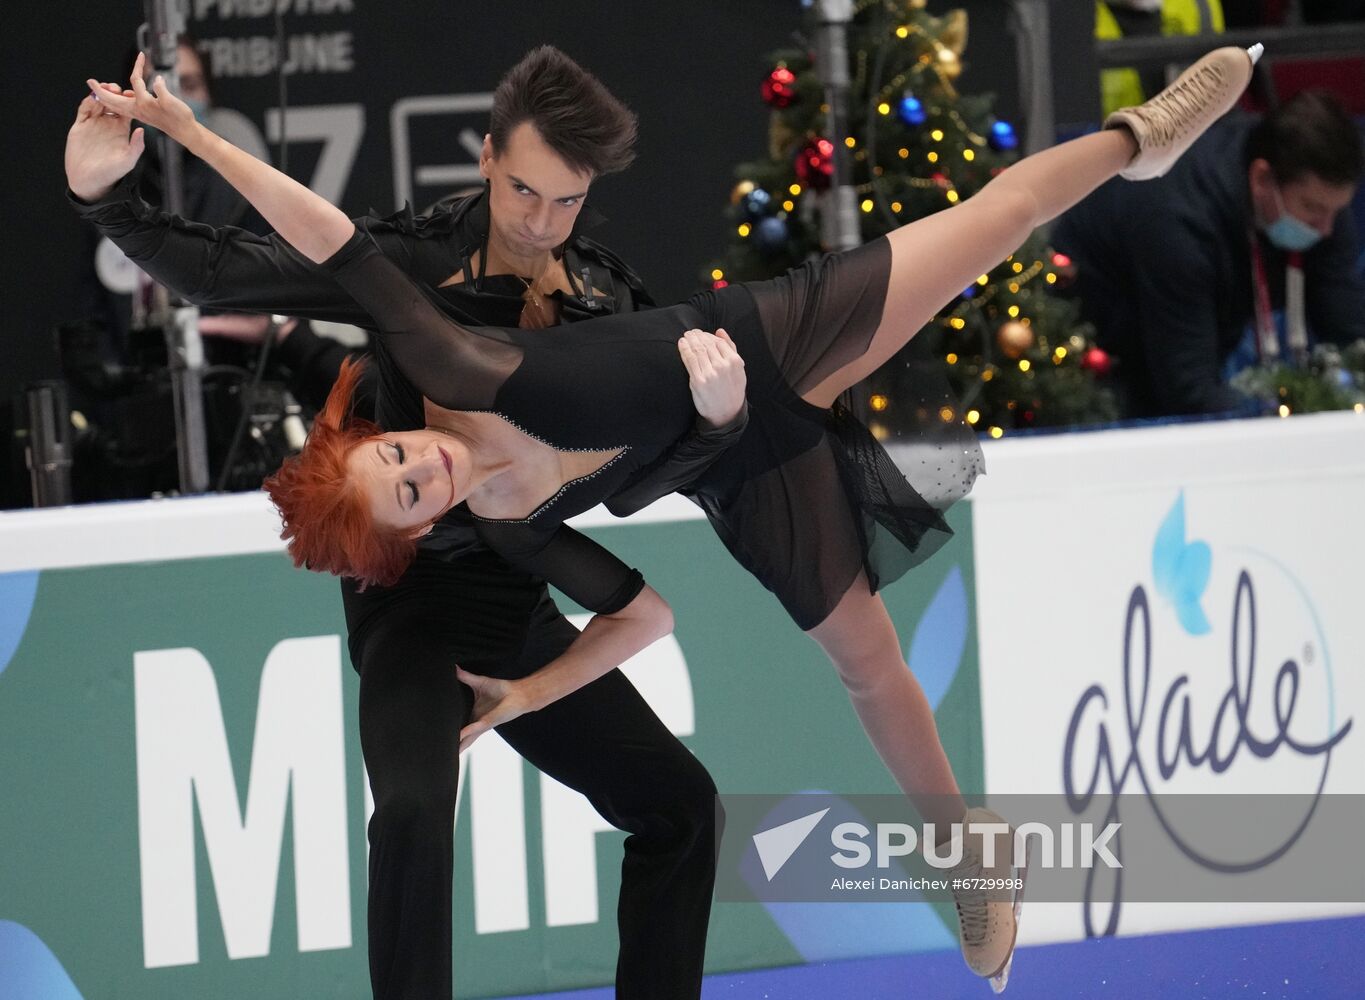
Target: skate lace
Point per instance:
(972, 914)
(1180, 105)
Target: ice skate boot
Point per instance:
(1169, 123)
(988, 920)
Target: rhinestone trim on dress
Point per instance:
(561, 491)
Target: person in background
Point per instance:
(108, 284)
(1176, 273)
(310, 360)
(113, 350)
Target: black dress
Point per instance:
(805, 499)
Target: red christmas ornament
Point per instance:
(779, 89)
(940, 179)
(1097, 361)
(815, 164)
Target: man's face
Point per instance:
(1308, 198)
(534, 196)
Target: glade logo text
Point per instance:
(1235, 714)
(1070, 846)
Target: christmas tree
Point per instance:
(1013, 352)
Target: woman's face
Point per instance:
(411, 478)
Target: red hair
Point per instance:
(327, 521)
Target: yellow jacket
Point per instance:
(1120, 88)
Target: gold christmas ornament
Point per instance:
(1014, 339)
(782, 139)
(949, 64)
(954, 34)
(741, 189)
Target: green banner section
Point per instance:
(184, 799)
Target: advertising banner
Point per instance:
(1125, 626)
(186, 801)
(1177, 612)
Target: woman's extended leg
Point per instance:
(934, 258)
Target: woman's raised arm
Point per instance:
(310, 223)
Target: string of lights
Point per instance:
(1011, 347)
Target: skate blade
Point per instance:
(1001, 977)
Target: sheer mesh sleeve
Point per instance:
(450, 364)
(567, 559)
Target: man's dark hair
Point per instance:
(1309, 134)
(574, 113)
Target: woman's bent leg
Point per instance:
(934, 258)
(860, 639)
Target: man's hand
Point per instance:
(716, 373)
(99, 150)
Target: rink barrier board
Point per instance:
(128, 869)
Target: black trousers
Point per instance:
(603, 741)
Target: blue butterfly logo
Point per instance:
(17, 594)
(31, 970)
(1181, 569)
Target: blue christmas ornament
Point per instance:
(1003, 137)
(1345, 379)
(771, 233)
(969, 292)
(757, 203)
(911, 111)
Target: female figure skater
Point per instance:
(527, 430)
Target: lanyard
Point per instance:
(1267, 340)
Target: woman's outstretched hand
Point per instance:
(716, 374)
(99, 150)
(495, 701)
(156, 107)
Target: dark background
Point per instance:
(690, 70)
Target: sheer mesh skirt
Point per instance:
(809, 498)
